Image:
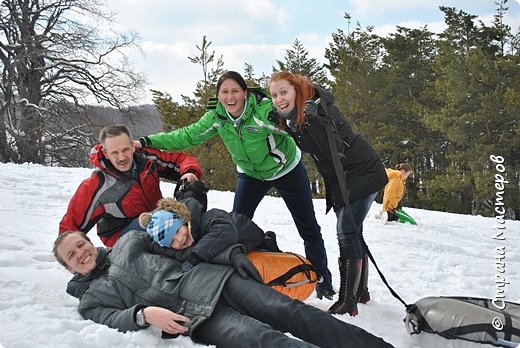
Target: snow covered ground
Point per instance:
(445, 254)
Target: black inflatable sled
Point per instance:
(463, 322)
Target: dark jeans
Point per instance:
(251, 314)
(392, 216)
(295, 189)
(351, 242)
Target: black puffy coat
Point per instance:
(363, 170)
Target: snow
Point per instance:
(444, 255)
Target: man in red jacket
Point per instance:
(124, 185)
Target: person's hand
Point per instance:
(190, 177)
(137, 144)
(166, 320)
(245, 267)
(310, 109)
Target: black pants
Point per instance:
(295, 189)
(392, 216)
(251, 314)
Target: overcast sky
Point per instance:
(259, 32)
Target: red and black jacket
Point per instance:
(112, 199)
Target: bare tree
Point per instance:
(56, 57)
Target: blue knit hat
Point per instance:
(163, 226)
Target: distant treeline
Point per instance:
(444, 103)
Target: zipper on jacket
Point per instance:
(238, 128)
(147, 171)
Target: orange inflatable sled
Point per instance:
(289, 273)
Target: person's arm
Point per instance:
(318, 118)
(82, 213)
(175, 165)
(185, 137)
(217, 233)
(249, 233)
(126, 319)
(235, 256)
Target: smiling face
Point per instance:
(183, 238)
(119, 150)
(232, 97)
(78, 253)
(283, 95)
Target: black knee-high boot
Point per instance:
(363, 296)
(350, 272)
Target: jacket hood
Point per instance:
(393, 174)
(324, 94)
(80, 283)
(97, 157)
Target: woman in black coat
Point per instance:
(352, 171)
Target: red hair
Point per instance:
(303, 88)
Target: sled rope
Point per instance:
(371, 257)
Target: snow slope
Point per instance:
(445, 254)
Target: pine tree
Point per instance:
(297, 62)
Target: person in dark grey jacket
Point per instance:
(139, 283)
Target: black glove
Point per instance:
(196, 189)
(244, 267)
(310, 109)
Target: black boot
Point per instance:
(363, 296)
(350, 272)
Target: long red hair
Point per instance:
(303, 88)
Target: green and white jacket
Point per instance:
(256, 144)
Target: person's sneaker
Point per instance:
(384, 218)
(327, 293)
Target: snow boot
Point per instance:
(350, 272)
(363, 296)
(384, 218)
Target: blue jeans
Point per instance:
(295, 189)
(351, 242)
(251, 314)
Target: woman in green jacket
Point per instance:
(265, 157)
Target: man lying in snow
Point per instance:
(139, 283)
